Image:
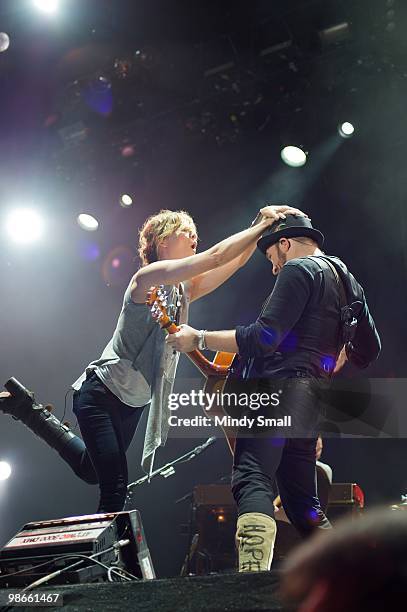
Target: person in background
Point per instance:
(322, 469)
(360, 565)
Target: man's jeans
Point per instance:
(107, 426)
(262, 458)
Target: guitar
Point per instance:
(215, 372)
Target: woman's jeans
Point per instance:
(107, 426)
(263, 457)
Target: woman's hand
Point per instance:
(280, 211)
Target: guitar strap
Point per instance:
(343, 301)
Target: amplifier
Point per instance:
(59, 540)
(345, 499)
(214, 520)
(214, 523)
(346, 493)
(213, 494)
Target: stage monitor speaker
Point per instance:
(345, 499)
(57, 541)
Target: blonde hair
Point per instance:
(158, 227)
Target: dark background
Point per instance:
(78, 88)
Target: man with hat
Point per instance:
(316, 313)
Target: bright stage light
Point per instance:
(48, 6)
(346, 129)
(5, 470)
(87, 222)
(24, 225)
(293, 156)
(126, 200)
(4, 41)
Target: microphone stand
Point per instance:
(167, 469)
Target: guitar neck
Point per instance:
(156, 302)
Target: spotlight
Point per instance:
(24, 225)
(4, 42)
(293, 156)
(87, 222)
(346, 129)
(126, 200)
(48, 6)
(5, 470)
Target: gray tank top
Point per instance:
(138, 367)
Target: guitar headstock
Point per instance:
(157, 301)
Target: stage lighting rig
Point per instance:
(346, 129)
(87, 222)
(293, 156)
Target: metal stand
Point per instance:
(166, 470)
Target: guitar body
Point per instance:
(215, 384)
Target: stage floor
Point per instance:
(213, 593)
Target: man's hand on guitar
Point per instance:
(185, 340)
(277, 211)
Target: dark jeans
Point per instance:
(107, 426)
(260, 460)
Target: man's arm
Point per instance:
(187, 338)
(174, 271)
(207, 282)
(293, 288)
(261, 338)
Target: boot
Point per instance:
(255, 537)
(21, 405)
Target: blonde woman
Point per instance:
(136, 369)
